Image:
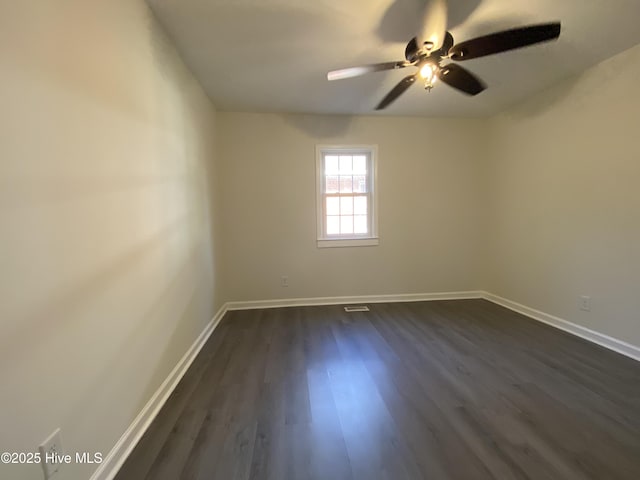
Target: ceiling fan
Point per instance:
(428, 56)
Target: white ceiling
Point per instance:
(273, 55)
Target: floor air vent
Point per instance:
(356, 308)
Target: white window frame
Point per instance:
(355, 240)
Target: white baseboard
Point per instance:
(601, 339)
(305, 302)
(129, 439)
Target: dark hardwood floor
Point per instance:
(428, 390)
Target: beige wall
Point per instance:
(429, 205)
(565, 203)
(107, 265)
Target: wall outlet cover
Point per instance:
(584, 303)
(51, 450)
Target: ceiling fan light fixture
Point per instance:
(427, 71)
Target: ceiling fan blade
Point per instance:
(434, 24)
(364, 69)
(447, 43)
(461, 79)
(398, 90)
(505, 40)
(411, 51)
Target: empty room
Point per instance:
(350, 240)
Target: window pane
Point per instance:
(331, 184)
(359, 164)
(360, 224)
(360, 184)
(346, 206)
(346, 184)
(346, 195)
(333, 206)
(346, 225)
(345, 165)
(333, 225)
(331, 164)
(360, 205)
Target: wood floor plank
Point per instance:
(440, 390)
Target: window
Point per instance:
(346, 201)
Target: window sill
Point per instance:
(348, 242)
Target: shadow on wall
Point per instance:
(402, 19)
(161, 47)
(66, 303)
(542, 101)
(582, 87)
(179, 299)
(320, 126)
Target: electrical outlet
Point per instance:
(584, 303)
(284, 281)
(51, 454)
